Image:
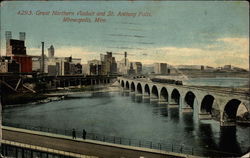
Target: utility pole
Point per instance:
(42, 57)
(125, 56)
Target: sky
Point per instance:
(213, 33)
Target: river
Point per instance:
(126, 115)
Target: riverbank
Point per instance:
(58, 94)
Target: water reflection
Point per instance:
(164, 111)
(124, 93)
(155, 106)
(138, 98)
(188, 124)
(174, 114)
(206, 136)
(146, 100)
(228, 140)
(187, 118)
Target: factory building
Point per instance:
(123, 65)
(54, 66)
(17, 51)
(161, 68)
(8, 65)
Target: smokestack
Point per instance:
(22, 36)
(42, 64)
(125, 55)
(8, 36)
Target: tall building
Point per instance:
(8, 36)
(109, 65)
(57, 65)
(36, 63)
(17, 51)
(53, 70)
(15, 47)
(113, 66)
(161, 68)
(51, 51)
(131, 70)
(125, 59)
(64, 66)
(94, 67)
(123, 66)
(22, 36)
(137, 67)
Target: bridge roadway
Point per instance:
(208, 101)
(82, 147)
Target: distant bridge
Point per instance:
(224, 104)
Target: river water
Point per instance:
(123, 114)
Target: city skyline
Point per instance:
(178, 33)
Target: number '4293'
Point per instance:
(24, 12)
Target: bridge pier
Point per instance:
(138, 94)
(126, 90)
(145, 96)
(187, 109)
(153, 98)
(205, 116)
(163, 102)
(227, 123)
(173, 105)
(132, 92)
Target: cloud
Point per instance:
(237, 42)
(234, 51)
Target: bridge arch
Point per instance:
(175, 96)
(155, 92)
(146, 89)
(230, 110)
(207, 104)
(122, 84)
(189, 99)
(139, 88)
(132, 87)
(164, 94)
(127, 85)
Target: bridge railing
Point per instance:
(164, 146)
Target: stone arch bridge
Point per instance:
(208, 102)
